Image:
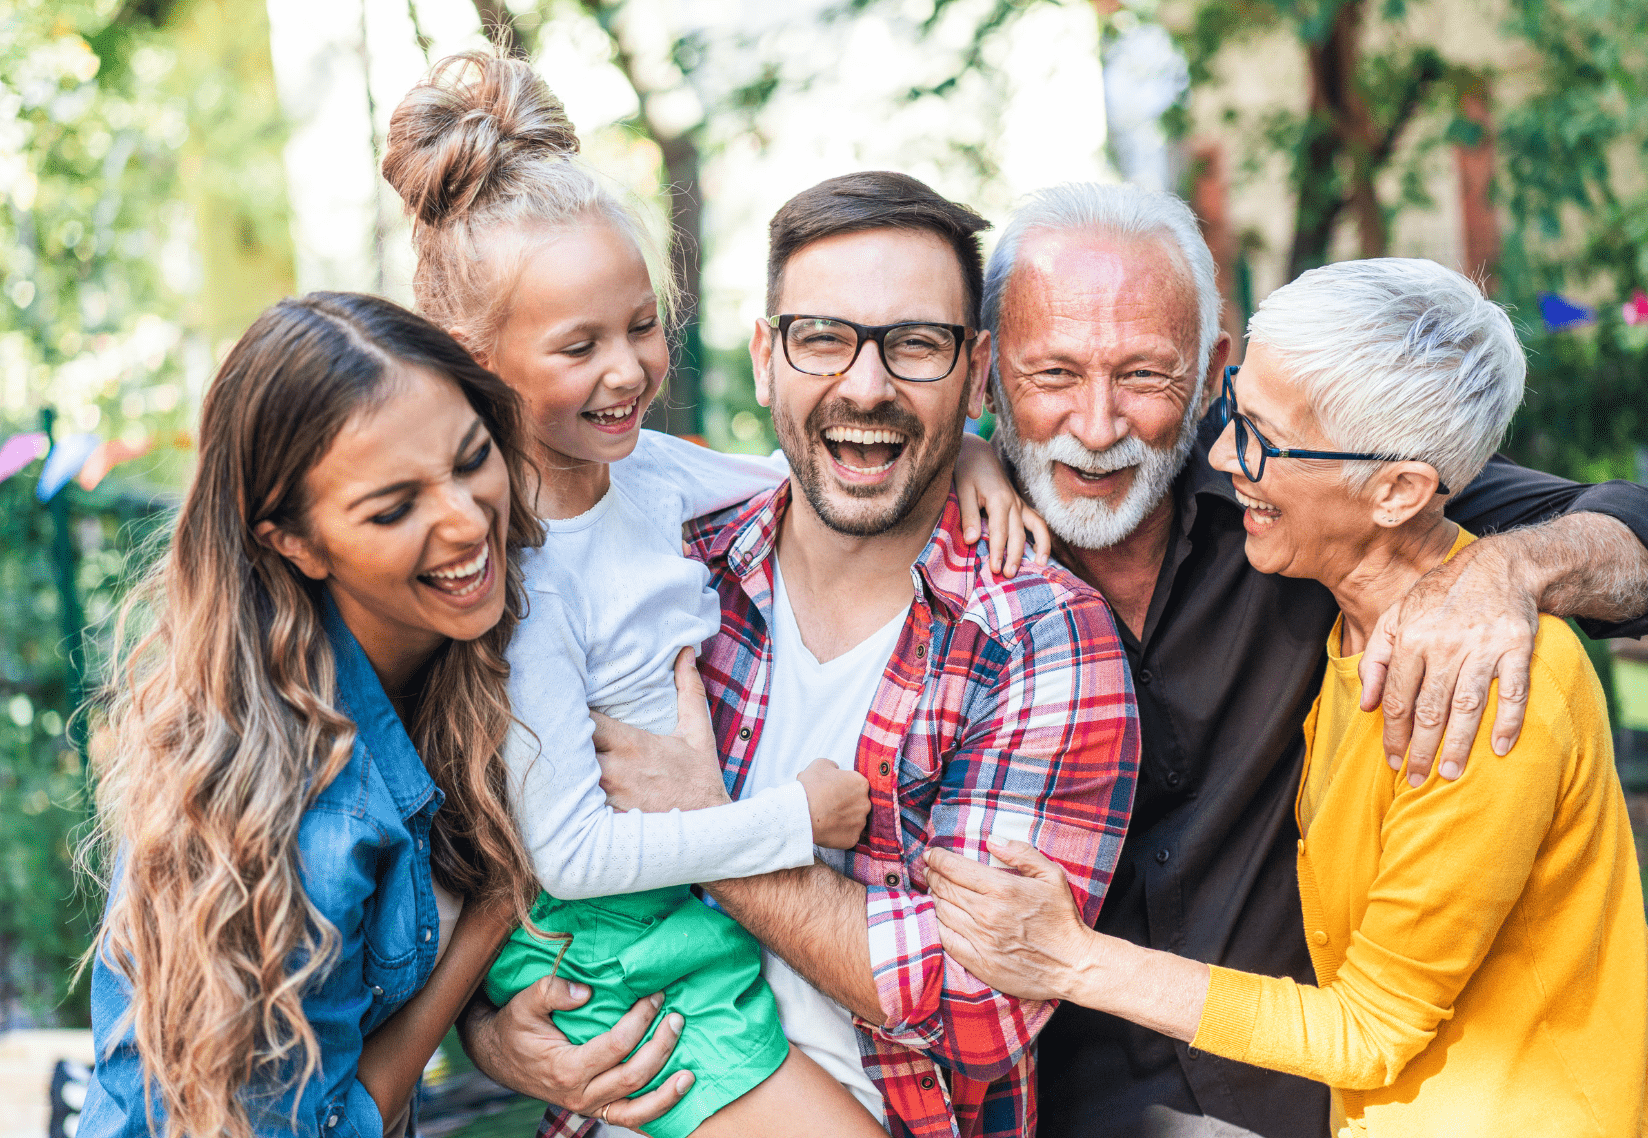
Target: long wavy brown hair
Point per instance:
(220, 726)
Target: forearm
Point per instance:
(393, 1057)
(1578, 565)
(1153, 989)
(814, 919)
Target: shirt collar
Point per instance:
(1199, 478)
(377, 726)
(944, 571)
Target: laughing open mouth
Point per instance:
(864, 451)
(463, 578)
(614, 416)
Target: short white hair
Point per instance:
(1114, 210)
(1398, 356)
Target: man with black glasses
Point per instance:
(1108, 352)
(858, 625)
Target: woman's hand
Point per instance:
(839, 802)
(520, 1047)
(1020, 934)
(658, 773)
(981, 479)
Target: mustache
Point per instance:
(1119, 456)
(888, 416)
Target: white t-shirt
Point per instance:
(612, 600)
(817, 711)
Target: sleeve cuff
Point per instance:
(1626, 502)
(1229, 1015)
(907, 961)
(789, 802)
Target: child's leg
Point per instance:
(799, 1100)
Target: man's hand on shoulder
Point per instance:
(1434, 654)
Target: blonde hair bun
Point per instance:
(469, 134)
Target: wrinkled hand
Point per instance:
(657, 773)
(980, 479)
(520, 1047)
(839, 802)
(1433, 655)
(1021, 934)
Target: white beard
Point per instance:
(1090, 523)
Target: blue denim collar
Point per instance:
(378, 727)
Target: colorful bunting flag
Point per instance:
(108, 456)
(1559, 312)
(1636, 309)
(20, 450)
(64, 462)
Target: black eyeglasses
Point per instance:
(1252, 448)
(912, 351)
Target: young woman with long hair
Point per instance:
(299, 766)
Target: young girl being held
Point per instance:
(551, 280)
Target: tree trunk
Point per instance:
(684, 414)
(1475, 165)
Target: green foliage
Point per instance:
(45, 916)
(1574, 152)
(94, 243)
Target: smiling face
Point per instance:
(1302, 520)
(866, 449)
(1098, 364)
(406, 519)
(583, 343)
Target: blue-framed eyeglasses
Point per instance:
(1252, 448)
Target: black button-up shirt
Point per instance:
(1229, 664)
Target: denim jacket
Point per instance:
(364, 848)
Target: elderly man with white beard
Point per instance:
(1108, 350)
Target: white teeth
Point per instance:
(614, 414)
(862, 437)
(1255, 505)
(467, 569)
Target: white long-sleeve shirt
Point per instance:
(612, 601)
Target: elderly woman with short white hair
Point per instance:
(1479, 945)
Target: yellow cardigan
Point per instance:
(1480, 944)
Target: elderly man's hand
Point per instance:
(1433, 655)
(656, 773)
(520, 1047)
(1022, 934)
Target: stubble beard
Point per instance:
(805, 466)
(1091, 523)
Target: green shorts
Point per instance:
(664, 940)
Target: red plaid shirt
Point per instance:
(1002, 697)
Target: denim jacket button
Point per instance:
(426, 934)
(377, 991)
(332, 1121)
(420, 843)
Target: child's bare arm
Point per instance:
(394, 1056)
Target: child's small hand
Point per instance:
(980, 478)
(839, 802)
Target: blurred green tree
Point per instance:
(141, 222)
